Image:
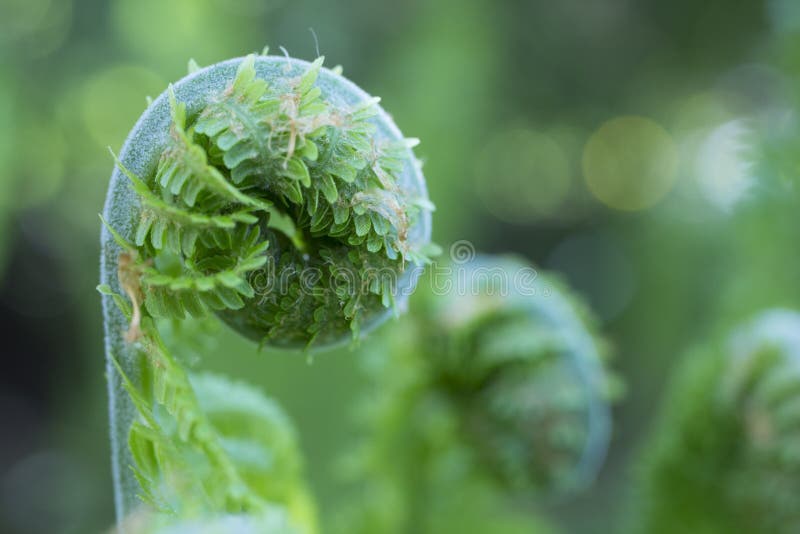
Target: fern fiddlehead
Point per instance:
(745, 475)
(504, 387)
(279, 196)
(271, 183)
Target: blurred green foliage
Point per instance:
(485, 85)
(725, 455)
(484, 397)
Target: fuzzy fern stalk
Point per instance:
(493, 390)
(276, 195)
(744, 476)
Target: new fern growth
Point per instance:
(290, 215)
(278, 196)
(490, 390)
(725, 455)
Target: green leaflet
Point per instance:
(175, 227)
(215, 282)
(299, 148)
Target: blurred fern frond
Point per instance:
(490, 389)
(724, 456)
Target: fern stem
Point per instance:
(122, 412)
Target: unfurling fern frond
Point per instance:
(724, 457)
(314, 165)
(277, 195)
(488, 384)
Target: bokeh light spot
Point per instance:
(39, 178)
(169, 33)
(630, 163)
(112, 100)
(522, 176)
(34, 28)
(723, 171)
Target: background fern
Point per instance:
(743, 476)
(486, 395)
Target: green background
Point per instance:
(641, 148)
